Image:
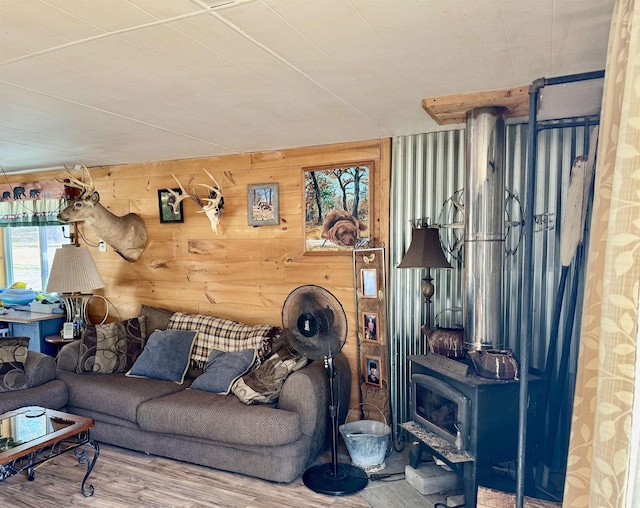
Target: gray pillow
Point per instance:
(165, 356)
(156, 318)
(13, 355)
(223, 368)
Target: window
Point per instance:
(29, 253)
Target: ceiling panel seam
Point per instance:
(292, 66)
(301, 34)
(507, 41)
(111, 113)
(103, 36)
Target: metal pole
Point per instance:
(570, 78)
(527, 300)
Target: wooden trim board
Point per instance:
(452, 109)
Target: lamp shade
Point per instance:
(425, 251)
(73, 271)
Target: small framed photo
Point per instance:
(369, 282)
(263, 208)
(165, 199)
(372, 365)
(370, 327)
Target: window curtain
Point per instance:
(42, 212)
(31, 204)
(603, 453)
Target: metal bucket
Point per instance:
(367, 441)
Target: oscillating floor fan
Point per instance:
(315, 325)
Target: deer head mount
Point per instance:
(127, 235)
(211, 205)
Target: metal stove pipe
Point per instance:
(484, 195)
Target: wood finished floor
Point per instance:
(123, 478)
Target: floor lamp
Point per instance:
(74, 274)
(425, 251)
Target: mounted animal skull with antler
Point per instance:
(211, 205)
(127, 235)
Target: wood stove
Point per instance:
(486, 412)
(469, 421)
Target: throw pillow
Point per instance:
(223, 334)
(165, 356)
(264, 384)
(111, 347)
(156, 318)
(223, 368)
(13, 355)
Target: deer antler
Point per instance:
(179, 197)
(211, 205)
(86, 188)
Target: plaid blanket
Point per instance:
(223, 334)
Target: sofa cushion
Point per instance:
(13, 356)
(264, 384)
(111, 347)
(114, 394)
(222, 334)
(206, 415)
(165, 356)
(52, 395)
(223, 368)
(39, 368)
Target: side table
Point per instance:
(57, 342)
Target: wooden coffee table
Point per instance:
(32, 435)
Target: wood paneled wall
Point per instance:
(244, 273)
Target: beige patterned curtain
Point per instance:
(603, 454)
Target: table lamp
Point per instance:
(425, 251)
(74, 274)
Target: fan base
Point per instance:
(349, 479)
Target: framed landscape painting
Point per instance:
(337, 207)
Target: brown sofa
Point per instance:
(275, 441)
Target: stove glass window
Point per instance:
(435, 408)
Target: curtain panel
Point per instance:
(603, 454)
(31, 204)
(42, 212)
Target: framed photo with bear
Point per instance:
(263, 207)
(337, 205)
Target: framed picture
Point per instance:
(370, 326)
(337, 207)
(369, 283)
(167, 215)
(371, 369)
(263, 207)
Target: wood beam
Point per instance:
(452, 109)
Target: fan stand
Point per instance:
(334, 479)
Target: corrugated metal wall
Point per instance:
(427, 169)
